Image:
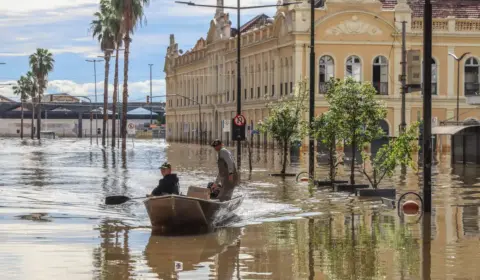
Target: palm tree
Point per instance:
(41, 63)
(104, 27)
(26, 86)
(132, 14)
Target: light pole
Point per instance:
(458, 59)
(311, 144)
(239, 34)
(95, 75)
(89, 100)
(150, 92)
(427, 107)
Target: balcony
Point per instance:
(472, 89)
(381, 87)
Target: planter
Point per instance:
(329, 183)
(388, 193)
(348, 187)
(283, 175)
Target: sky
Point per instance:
(62, 26)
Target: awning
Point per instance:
(450, 130)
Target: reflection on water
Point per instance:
(282, 231)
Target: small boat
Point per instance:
(193, 213)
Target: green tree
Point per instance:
(41, 62)
(358, 114)
(285, 122)
(391, 155)
(325, 129)
(132, 14)
(26, 87)
(105, 27)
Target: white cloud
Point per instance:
(23, 6)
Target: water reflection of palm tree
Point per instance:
(112, 258)
(163, 253)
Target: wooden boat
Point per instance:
(168, 255)
(193, 213)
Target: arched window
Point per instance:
(380, 75)
(434, 77)
(326, 72)
(472, 78)
(354, 68)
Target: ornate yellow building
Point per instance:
(359, 38)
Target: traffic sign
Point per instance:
(239, 120)
(131, 128)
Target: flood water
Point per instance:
(54, 224)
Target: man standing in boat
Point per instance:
(168, 184)
(227, 177)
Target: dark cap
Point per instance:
(216, 142)
(166, 165)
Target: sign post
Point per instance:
(131, 131)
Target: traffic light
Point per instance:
(238, 131)
(148, 99)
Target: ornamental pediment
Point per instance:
(354, 26)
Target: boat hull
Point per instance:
(175, 214)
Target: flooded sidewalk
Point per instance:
(54, 224)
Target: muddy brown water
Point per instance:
(54, 225)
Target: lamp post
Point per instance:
(458, 59)
(311, 144)
(150, 92)
(89, 100)
(238, 8)
(427, 107)
(95, 75)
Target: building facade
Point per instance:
(358, 38)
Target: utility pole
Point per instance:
(151, 93)
(458, 59)
(95, 77)
(311, 146)
(403, 123)
(427, 107)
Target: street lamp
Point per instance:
(95, 75)
(239, 34)
(90, 117)
(150, 92)
(458, 59)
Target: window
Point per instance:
(291, 87)
(233, 95)
(251, 93)
(354, 68)
(472, 78)
(245, 97)
(326, 72)
(228, 96)
(258, 92)
(281, 90)
(286, 88)
(273, 90)
(434, 77)
(266, 90)
(380, 75)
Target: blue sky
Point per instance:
(62, 26)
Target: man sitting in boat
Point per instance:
(168, 184)
(227, 177)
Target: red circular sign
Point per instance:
(239, 120)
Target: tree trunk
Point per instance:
(115, 94)
(21, 124)
(285, 150)
(125, 92)
(39, 118)
(332, 161)
(32, 132)
(105, 98)
(352, 164)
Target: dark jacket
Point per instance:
(167, 185)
